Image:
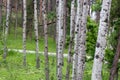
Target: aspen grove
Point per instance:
(59, 40)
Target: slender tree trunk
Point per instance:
(16, 20)
(24, 31)
(1, 2)
(65, 18)
(36, 34)
(6, 29)
(64, 24)
(49, 6)
(38, 9)
(60, 45)
(11, 18)
(114, 69)
(77, 25)
(82, 41)
(72, 26)
(101, 41)
(57, 1)
(46, 39)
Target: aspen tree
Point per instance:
(24, 31)
(46, 39)
(60, 39)
(82, 41)
(101, 40)
(6, 29)
(36, 34)
(72, 27)
(76, 39)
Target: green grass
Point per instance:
(30, 44)
(12, 68)
(16, 43)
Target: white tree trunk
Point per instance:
(72, 27)
(101, 41)
(36, 34)
(76, 39)
(82, 41)
(6, 29)
(60, 18)
(46, 39)
(24, 31)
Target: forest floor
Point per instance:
(13, 69)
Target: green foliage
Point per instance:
(67, 41)
(97, 6)
(113, 41)
(2, 31)
(92, 30)
(109, 56)
(113, 38)
(30, 9)
(115, 10)
(51, 15)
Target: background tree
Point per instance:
(115, 61)
(1, 1)
(71, 42)
(6, 29)
(45, 39)
(36, 34)
(16, 20)
(30, 13)
(24, 31)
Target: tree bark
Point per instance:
(72, 27)
(57, 1)
(46, 39)
(77, 25)
(60, 45)
(82, 41)
(49, 6)
(36, 34)
(6, 29)
(101, 41)
(16, 20)
(24, 31)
